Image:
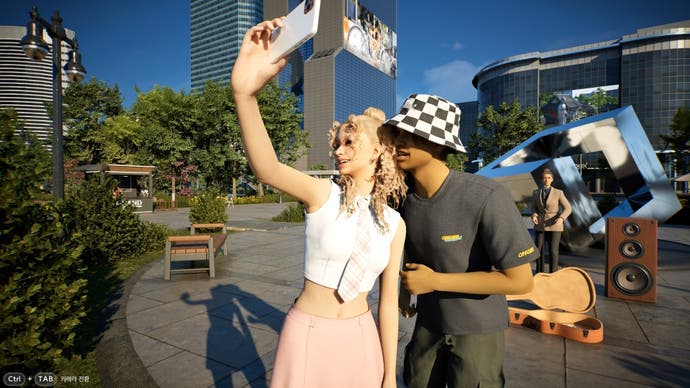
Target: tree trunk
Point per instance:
(173, 189)
(260, 190)
(234, 188)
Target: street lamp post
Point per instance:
(36, 48)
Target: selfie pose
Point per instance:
(466, 248)
(551, 210)
(329, 337)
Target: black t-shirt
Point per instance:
(470, 224)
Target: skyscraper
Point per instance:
(27, 85)
(351, 64)
(216, 31)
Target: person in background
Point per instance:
(329, 337)
(466, 248)
(551, 210)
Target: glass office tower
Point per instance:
(216, 31)
(353, 66)
(649, 70)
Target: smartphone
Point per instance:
(299, 25)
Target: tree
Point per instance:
(121, 137)
(504, 128)
(165, 118)
(87, 107)
(457, 161)
(679, 138)
(597, 100)
(280, 113)
(218, 148)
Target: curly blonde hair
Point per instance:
(389, 180)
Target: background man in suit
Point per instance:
(551, 210)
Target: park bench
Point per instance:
(197, 247)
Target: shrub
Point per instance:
(42, 296)
(208, 208)
(108, 228)
(292, 213)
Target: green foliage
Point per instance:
(88, 105)
(456, 161)
(598, 100)
(292, 213)
(504, 128)
(208, 208)
(41, 290)
(522, 207)
(108, 229)
(679, 138)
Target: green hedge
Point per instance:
(42, 297)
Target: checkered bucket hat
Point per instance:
(431, 117)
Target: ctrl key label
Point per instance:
(14, 379)
(45, 379)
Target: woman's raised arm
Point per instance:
(251, 72)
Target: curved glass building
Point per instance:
(649, 70)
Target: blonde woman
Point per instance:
(329, 337)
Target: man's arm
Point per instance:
(420, 279)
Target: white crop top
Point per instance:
(330, 238)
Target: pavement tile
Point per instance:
(253, 375)
(618, 320)
(137, 303)
(169, 313)
(533, 359)
(221, 340)
(629, 364)
(578, 378)
(150, 350)
(188, 370)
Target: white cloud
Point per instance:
(457, 46)
(452, 81)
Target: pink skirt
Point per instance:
(325, 352)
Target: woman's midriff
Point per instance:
(322, 301)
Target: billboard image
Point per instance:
(370, 39)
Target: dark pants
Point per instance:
(554, 240)
(436, 360)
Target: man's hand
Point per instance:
(418, 279)
(406, 309)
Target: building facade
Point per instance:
(27, 85)
(216, 31)
(349, 65)
(649, 70)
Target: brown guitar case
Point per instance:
(564, 297)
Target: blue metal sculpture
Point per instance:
(619, 136)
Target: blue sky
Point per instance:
(441, 44)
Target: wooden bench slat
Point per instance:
(196, 238)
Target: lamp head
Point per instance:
(33, 44)
(74, 69)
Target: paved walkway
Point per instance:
(194, 331)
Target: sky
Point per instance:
(442, 44)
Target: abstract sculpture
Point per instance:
(619, 136)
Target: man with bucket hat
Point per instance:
(466, 248)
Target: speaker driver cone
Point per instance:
(631, 249)
(631, 229)
(632, 279)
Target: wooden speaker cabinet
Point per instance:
(631, 259)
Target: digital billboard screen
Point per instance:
(370, 39)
